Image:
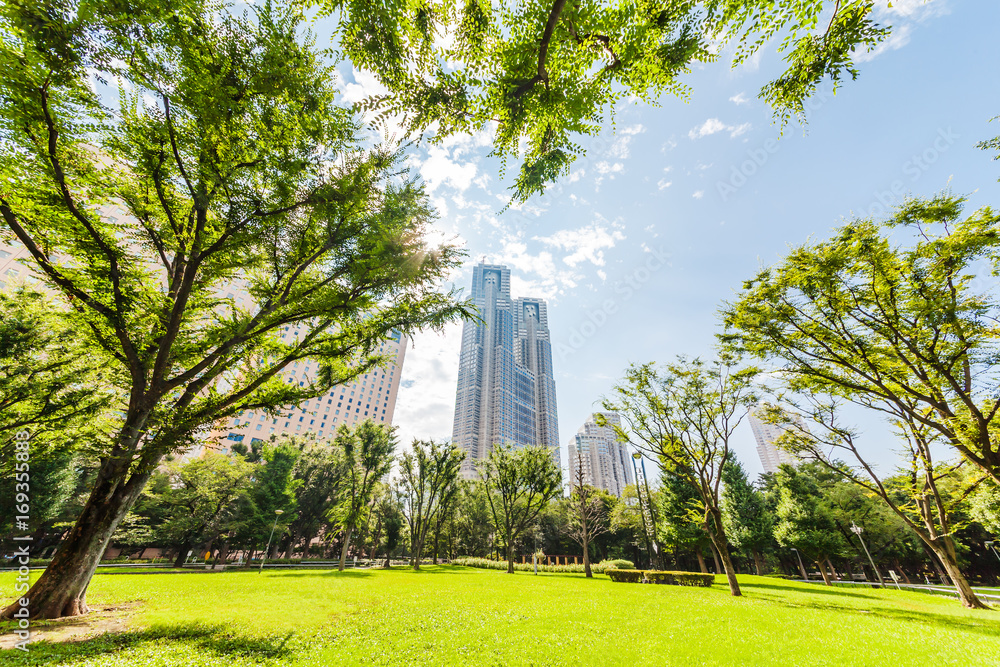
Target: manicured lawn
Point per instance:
(457, 616)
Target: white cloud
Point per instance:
(439, 169)
(913, 9)
(663, 184)
(604, 167)
(698, 194)
(585, 243)
(714, 125)
(365, 85)
(899, 38)
(710, 126)
(425, 404)
(739, 98)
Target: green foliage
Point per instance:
(428, 486)
(625, 576)
(518, 483)
(617, 563)
(889, 315)
(228, 165)
(570, 568)
(679, 578)
(368, 456)
(749, 524)
(804, 522)
(544, 72)
(985, 506)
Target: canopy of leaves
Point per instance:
(543, 73)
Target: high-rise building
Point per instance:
(606, 462)
(766, 435)
(370, 396)
(506, 390)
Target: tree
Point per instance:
(925, 507)
(227, 165)
(682, 528)
(684, 416)
(320, 472)
(543, 72)
(906, 330)
(803, 522)
(53, 395)
(201, 494)
(428, 482)
(588, 512)
(368, 455)
(473, 529)
(986, 507)
(518, 483)
(749, 524)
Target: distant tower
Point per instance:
(506, 390)
(766, 434)
(606, 462)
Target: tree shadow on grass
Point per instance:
(214, 639)
(812, 589)
(985, 622)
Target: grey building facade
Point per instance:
(606, 462)
(506, 389)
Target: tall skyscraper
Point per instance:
(606, 462)
(506, 390)
(766, 435)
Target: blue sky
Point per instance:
(675, 205)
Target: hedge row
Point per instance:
(486, 563)
(661, 577)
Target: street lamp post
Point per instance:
(642, 511)
(802, 568)
(989, 545)
(857, 530)
(263, 558)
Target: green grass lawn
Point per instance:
(458, 616)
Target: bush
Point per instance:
(679, 578)
(625, 576)
(617, 564)
(577, 568)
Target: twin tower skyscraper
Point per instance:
(506, 389)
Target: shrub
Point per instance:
(577, 568)
(625, 576)
(617, 564)
(679, 578)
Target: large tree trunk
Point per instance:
(722, 547)
(347, 544)
(182, 551)
(715, 557)
(586, 557)
(701, 561)
(902, 572)
(758, 562)
(510, 557)
(822, 571)
(944, 547)
(62, 588)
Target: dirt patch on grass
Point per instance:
(102, 619)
